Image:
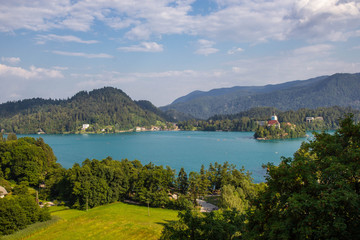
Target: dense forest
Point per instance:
(248, 120)
(105, 110)
(314, 195)
(338, 89)
(23, 162)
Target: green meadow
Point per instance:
(113, 221)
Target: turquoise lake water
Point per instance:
(175, 149)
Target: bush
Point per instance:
(18, 211)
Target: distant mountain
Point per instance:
(107, 108)
(325, 91)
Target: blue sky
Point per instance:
(159, 50)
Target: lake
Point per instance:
(175, 149)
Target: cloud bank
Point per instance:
(253, 21)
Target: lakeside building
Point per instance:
(311, 119)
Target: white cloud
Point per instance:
(81, 54)
(333, 20)
(319, 49)
(240, 21)
(11, 60)
(60, 68)
(235, 50)
(32, 73)
(238, 70)
(206, 47)
(42, 39)
(143, 47)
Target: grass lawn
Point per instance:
(113, 221)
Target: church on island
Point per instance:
(273, 122)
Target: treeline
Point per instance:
(107, 108)
(314, 195)
(25, 162)
(248, 120)
(97, 182)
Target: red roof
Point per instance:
(273, 122)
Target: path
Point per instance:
(205, 206)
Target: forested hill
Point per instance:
(326, 91)
(108, 109)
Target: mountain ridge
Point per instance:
(106, 108)
(338, 89)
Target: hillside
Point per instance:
(325, 91)
(108, 108)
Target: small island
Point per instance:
(273, 129)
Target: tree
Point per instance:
(315, 195)
(232, 198)
(182, 181)
(11, 137)
(194, 225)
(204, 182)
(18, 211)
(194, 186)
(26, 159)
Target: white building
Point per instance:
(85, 126)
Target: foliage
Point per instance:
(107, 108)
(100, 182)
(11, 137)
(148, 106)
(6, 184)
(182, 182)
(315, 195)
(31, 229)
(26, 159)
(228, 224)
(18, 211)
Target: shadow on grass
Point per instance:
(31, 229)
(167, 222)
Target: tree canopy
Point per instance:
(314, 195)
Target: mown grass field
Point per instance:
(113, 221)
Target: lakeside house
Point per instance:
(40, 131)
(3, 192)
(85, 126)
(311, 119)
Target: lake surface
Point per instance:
(175, 149)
